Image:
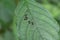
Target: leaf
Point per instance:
(7, 36)
(6, 10)
(1, 38)
(33, 22)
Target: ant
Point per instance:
(25, 18)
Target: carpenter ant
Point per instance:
(25, 18)
(32, 23)
(29, 22)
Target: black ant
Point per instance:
(25, 18)
(30, 22)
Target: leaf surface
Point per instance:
(33, 22)
(6, 10)
(7, 36)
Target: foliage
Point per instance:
(53, 6)
(29, 20)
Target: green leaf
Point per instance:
(6, 10)
(1, 38)
(33, 22)
(7, 36)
